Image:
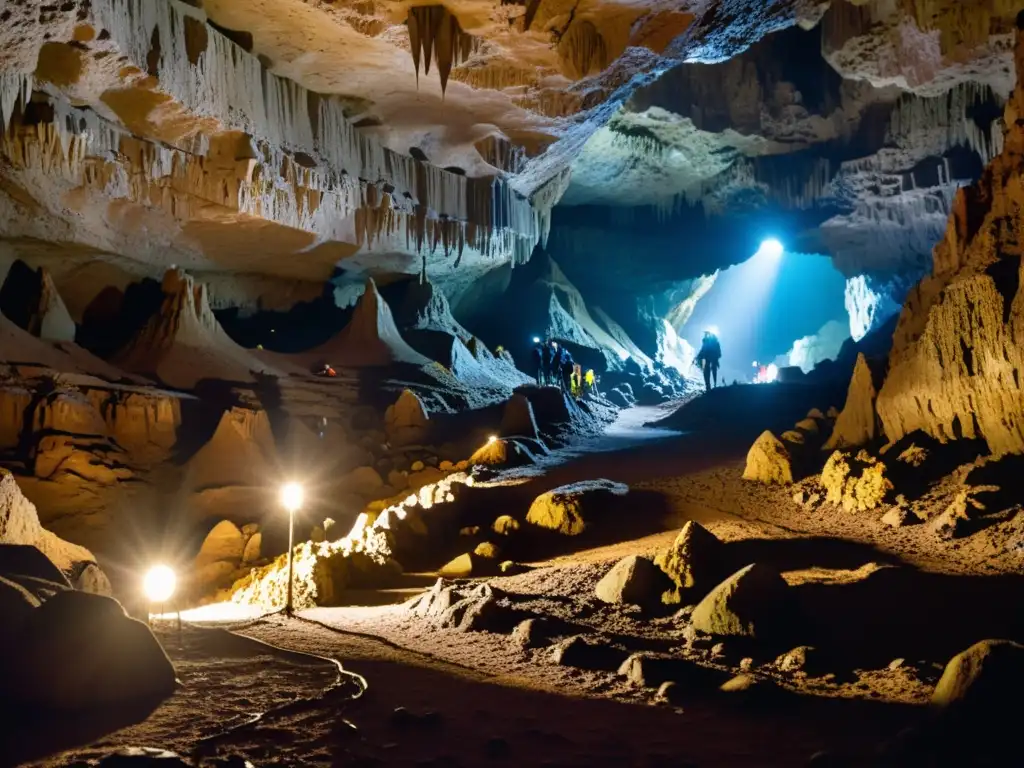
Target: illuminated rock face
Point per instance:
(955, 367)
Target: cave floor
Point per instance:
(886, 607)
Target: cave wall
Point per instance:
(958, 350)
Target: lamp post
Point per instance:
(291, 498)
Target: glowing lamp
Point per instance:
(536, 339)
(292, 496)
(159, 584)
(492, 439)
(772, 248)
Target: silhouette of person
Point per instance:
(708, 358)
(539, 355)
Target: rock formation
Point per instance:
(19, 524)
(857, 424)
(30, 298)
(371, 338)
(954, 370)
(183, 343)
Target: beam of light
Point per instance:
(159, 584)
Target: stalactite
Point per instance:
(583, 48)
(433, 29)
(14, 86)
(950, 114)
(230, 85)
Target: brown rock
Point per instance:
(251, 553)
(693, 562)
(634, 580)
(768, 461)
(753, 602)
(570, 508)
(406, 422)
(858, 423)
(505, 525)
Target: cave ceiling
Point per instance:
(269, 145)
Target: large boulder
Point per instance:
(768, 461)
(569, 509)
(754, 602)
(634, 580)
(225, 542)
(406, 422)
(219, 558)
(517, 418)
(19, 524)
(78, 652)
(693, 562)
(982, 681)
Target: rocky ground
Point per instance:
(848, 650)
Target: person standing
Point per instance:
(708, 359)
(539, 355)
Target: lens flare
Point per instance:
(292, 496)
(772, 248)
(159, 584)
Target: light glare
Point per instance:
(492, 439)
(159, 584)
(772, 248)
(291, 496)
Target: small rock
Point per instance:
(669, 692)
(953, 521)
(510, 568)
(804, 658)
(505, 525)
(693, 562)
(487, 550)
(649, 671)
(578, 652)
(446, 466)
(897, 517)
(249, 529)
(768, 461)
(531, 633)
(897, 664)
(418, 466)
(718, 650)
(460, 567)
(746, 664)
(470, 530)
(634, 580)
